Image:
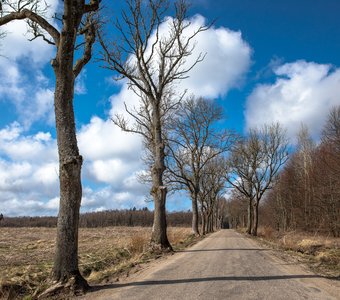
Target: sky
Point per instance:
(266, 61)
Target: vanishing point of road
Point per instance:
(225, 265)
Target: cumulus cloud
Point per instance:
(21, 80)
(227, 60)
(16, 44)
(28, 171)
(303, 92)
(108, 198)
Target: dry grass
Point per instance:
(321, 253)
(26, 254)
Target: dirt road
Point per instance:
(225, 265)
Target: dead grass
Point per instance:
(320, 253)
(26, 254)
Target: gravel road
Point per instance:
(225, 265)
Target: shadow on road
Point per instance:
(197, 280)
(227, 249)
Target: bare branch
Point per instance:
(28, 14)
(89, 32)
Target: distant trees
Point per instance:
(194, 145)
(307, 195)
(126, 217)
(77, 21)
(237, 208)
(210, 194)
(153, 62)
(254, 163)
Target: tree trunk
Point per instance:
(194, 222)
(250, 216)
(65, 269)
(203, 221)
(256, 218)
(159, 237)
(210, 222)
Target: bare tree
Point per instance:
(255, 162)
(76, 20)
(194, 142)
(331, 140)
(242, 166)
(303, 165)
(152, 62)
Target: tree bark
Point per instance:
(203, 221)
(250, 216)
(256, 218)
(194, 223)
(70, 162)
(159, 237)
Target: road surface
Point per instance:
(225, 265)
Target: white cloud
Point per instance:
(17, 146)
(226, 63)
(21, 80)
(108, 198)
(101, 139)
(28, 164)
(16, 44)
(302, 93)
(29, 173)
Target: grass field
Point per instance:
(26, 254)
(321, 253)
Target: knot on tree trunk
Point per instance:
(72, 165)
(54, 63)
(161, 190)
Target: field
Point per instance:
(321, 253)
(26, 254)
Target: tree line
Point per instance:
(127, 217)
(307, 193)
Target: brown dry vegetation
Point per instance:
(321, 253)
(26, 254)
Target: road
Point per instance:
(225, 265)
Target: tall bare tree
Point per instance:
(331, 140)
(242, 166)
(303, 165)
(254, 163)
(152, 61)
(194, 142)
(76, 20)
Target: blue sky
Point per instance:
(266, 61)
